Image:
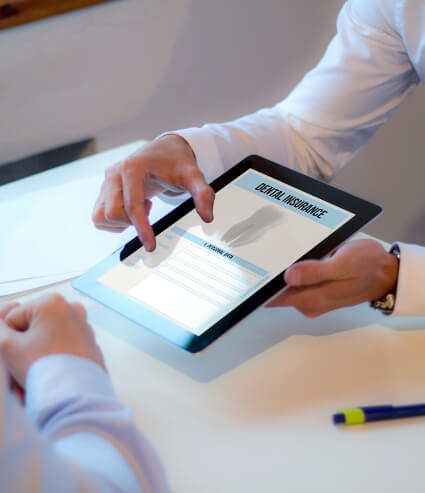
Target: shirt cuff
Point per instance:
(55, 379)
(411, 279)
(205, 149)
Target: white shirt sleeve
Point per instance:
(76, 435)
(410, 300)
(364, 75)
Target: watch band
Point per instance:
(387, 303)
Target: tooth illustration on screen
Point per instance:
(253, 227)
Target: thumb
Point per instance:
(311, 272)
(19, 317)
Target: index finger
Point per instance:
(133, 180)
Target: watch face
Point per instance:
(395, 250)
(385, 305)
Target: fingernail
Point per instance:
(208, 216)
(293, 278)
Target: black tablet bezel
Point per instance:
(363, 210)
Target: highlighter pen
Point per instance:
(360, 415)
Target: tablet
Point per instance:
(204, 278)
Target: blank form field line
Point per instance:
(217, 262)
(215, 277)
(231, 278)
(187, 282)
(205, 279)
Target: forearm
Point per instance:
(362, 78)
(268, 132)
(85, 439)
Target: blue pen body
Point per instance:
(359, 415)
(379, 413)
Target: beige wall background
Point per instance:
(131, 69)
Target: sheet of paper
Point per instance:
(15, 287)
(49, 232)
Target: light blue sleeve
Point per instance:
(75, 436)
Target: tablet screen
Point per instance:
(200, 272)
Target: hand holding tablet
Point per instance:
(359, 271)
(203, 278)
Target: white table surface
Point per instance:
(252, 413)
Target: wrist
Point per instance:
(393, 262)
(386, 300)
(176, 146)
(177, 141)
(53, 380)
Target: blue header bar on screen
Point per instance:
(293, 199)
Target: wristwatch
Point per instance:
(387, 303)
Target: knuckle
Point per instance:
(132, 207)
(127, 166)
(57, 298)
(110, 173)
(53, 301)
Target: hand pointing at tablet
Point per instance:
(167, 162)
(359, 271)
